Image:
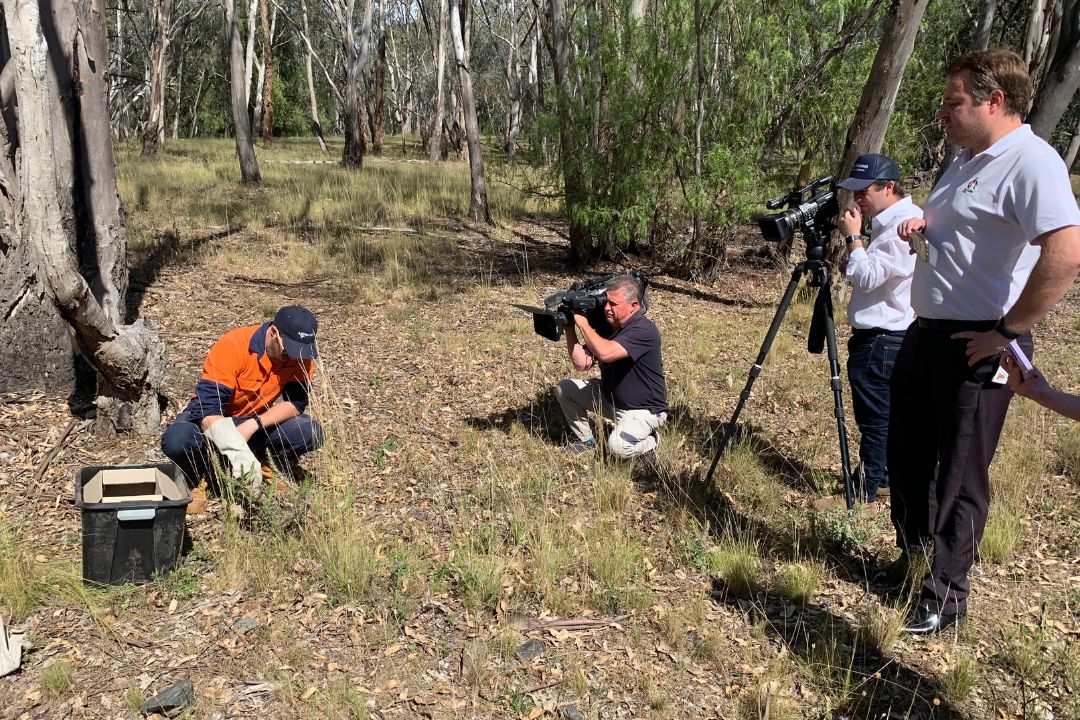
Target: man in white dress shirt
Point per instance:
(879, 310)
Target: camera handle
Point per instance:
(818, 272)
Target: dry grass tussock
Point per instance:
(443, 514)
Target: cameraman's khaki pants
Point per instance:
(635, 431)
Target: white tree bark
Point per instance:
(249, 49)
(435, 143)
(478, 203)
(313, 103)
(356, 52)
(55, 201)
(245, 151)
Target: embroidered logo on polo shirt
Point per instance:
(971, 185)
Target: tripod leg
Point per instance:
(755, 369)
(838, 401)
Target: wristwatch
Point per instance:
(852, 238)
(1004, 331)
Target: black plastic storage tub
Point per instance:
(136, 528)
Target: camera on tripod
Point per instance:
(587, 297)
(811, 209)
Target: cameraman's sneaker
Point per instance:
(577, 447)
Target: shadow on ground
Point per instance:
(828, 645)
(540, 417)
(166, 248)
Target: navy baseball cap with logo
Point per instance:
(297, 327)
(869, 169)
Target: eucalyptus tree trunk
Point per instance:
(194, 128)
(581, 249)
(60, 219)
(313, 104)
(379, 112)
(1062, 78)
(536, 72)
(982, 42)
(249, 50)
(986, 24)
(866, 133)
(459, 18)
(257, 106)
(179, 96)
(1040, 37)
(513, 74)
(268, 77)
(355, 54)
(159, 17)
(435, 143)
(1073, 149)
(245, 151)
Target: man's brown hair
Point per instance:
(997, 69)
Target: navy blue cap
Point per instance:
(868, 169)
(297, 327)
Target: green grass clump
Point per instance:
(799, 581)
(738, 563)
(56, 679)
(18, 583)
(958, 680)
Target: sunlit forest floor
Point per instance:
(450, 559)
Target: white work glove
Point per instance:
(228, 440)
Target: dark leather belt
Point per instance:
(952, 326)
(862, 333)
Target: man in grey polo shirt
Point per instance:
(879, 310)
(1003, 231)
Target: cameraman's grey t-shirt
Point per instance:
(636, 382)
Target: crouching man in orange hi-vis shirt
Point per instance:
(249, 406)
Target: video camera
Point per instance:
(811, 209)
(587, 297)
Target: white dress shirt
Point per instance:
(880, 274)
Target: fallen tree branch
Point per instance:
(53, 453)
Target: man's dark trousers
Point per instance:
(184, 443)
(944, 426)
(871, 354)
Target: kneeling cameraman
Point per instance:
(631, 389)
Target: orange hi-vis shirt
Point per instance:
(239, 379)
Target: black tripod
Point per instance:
(822, 330)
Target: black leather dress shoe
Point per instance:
(927, 622)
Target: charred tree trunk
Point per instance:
(459, 18)
(245, 151)
(61, 212)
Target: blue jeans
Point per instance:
(184, 443)
(870, 365)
